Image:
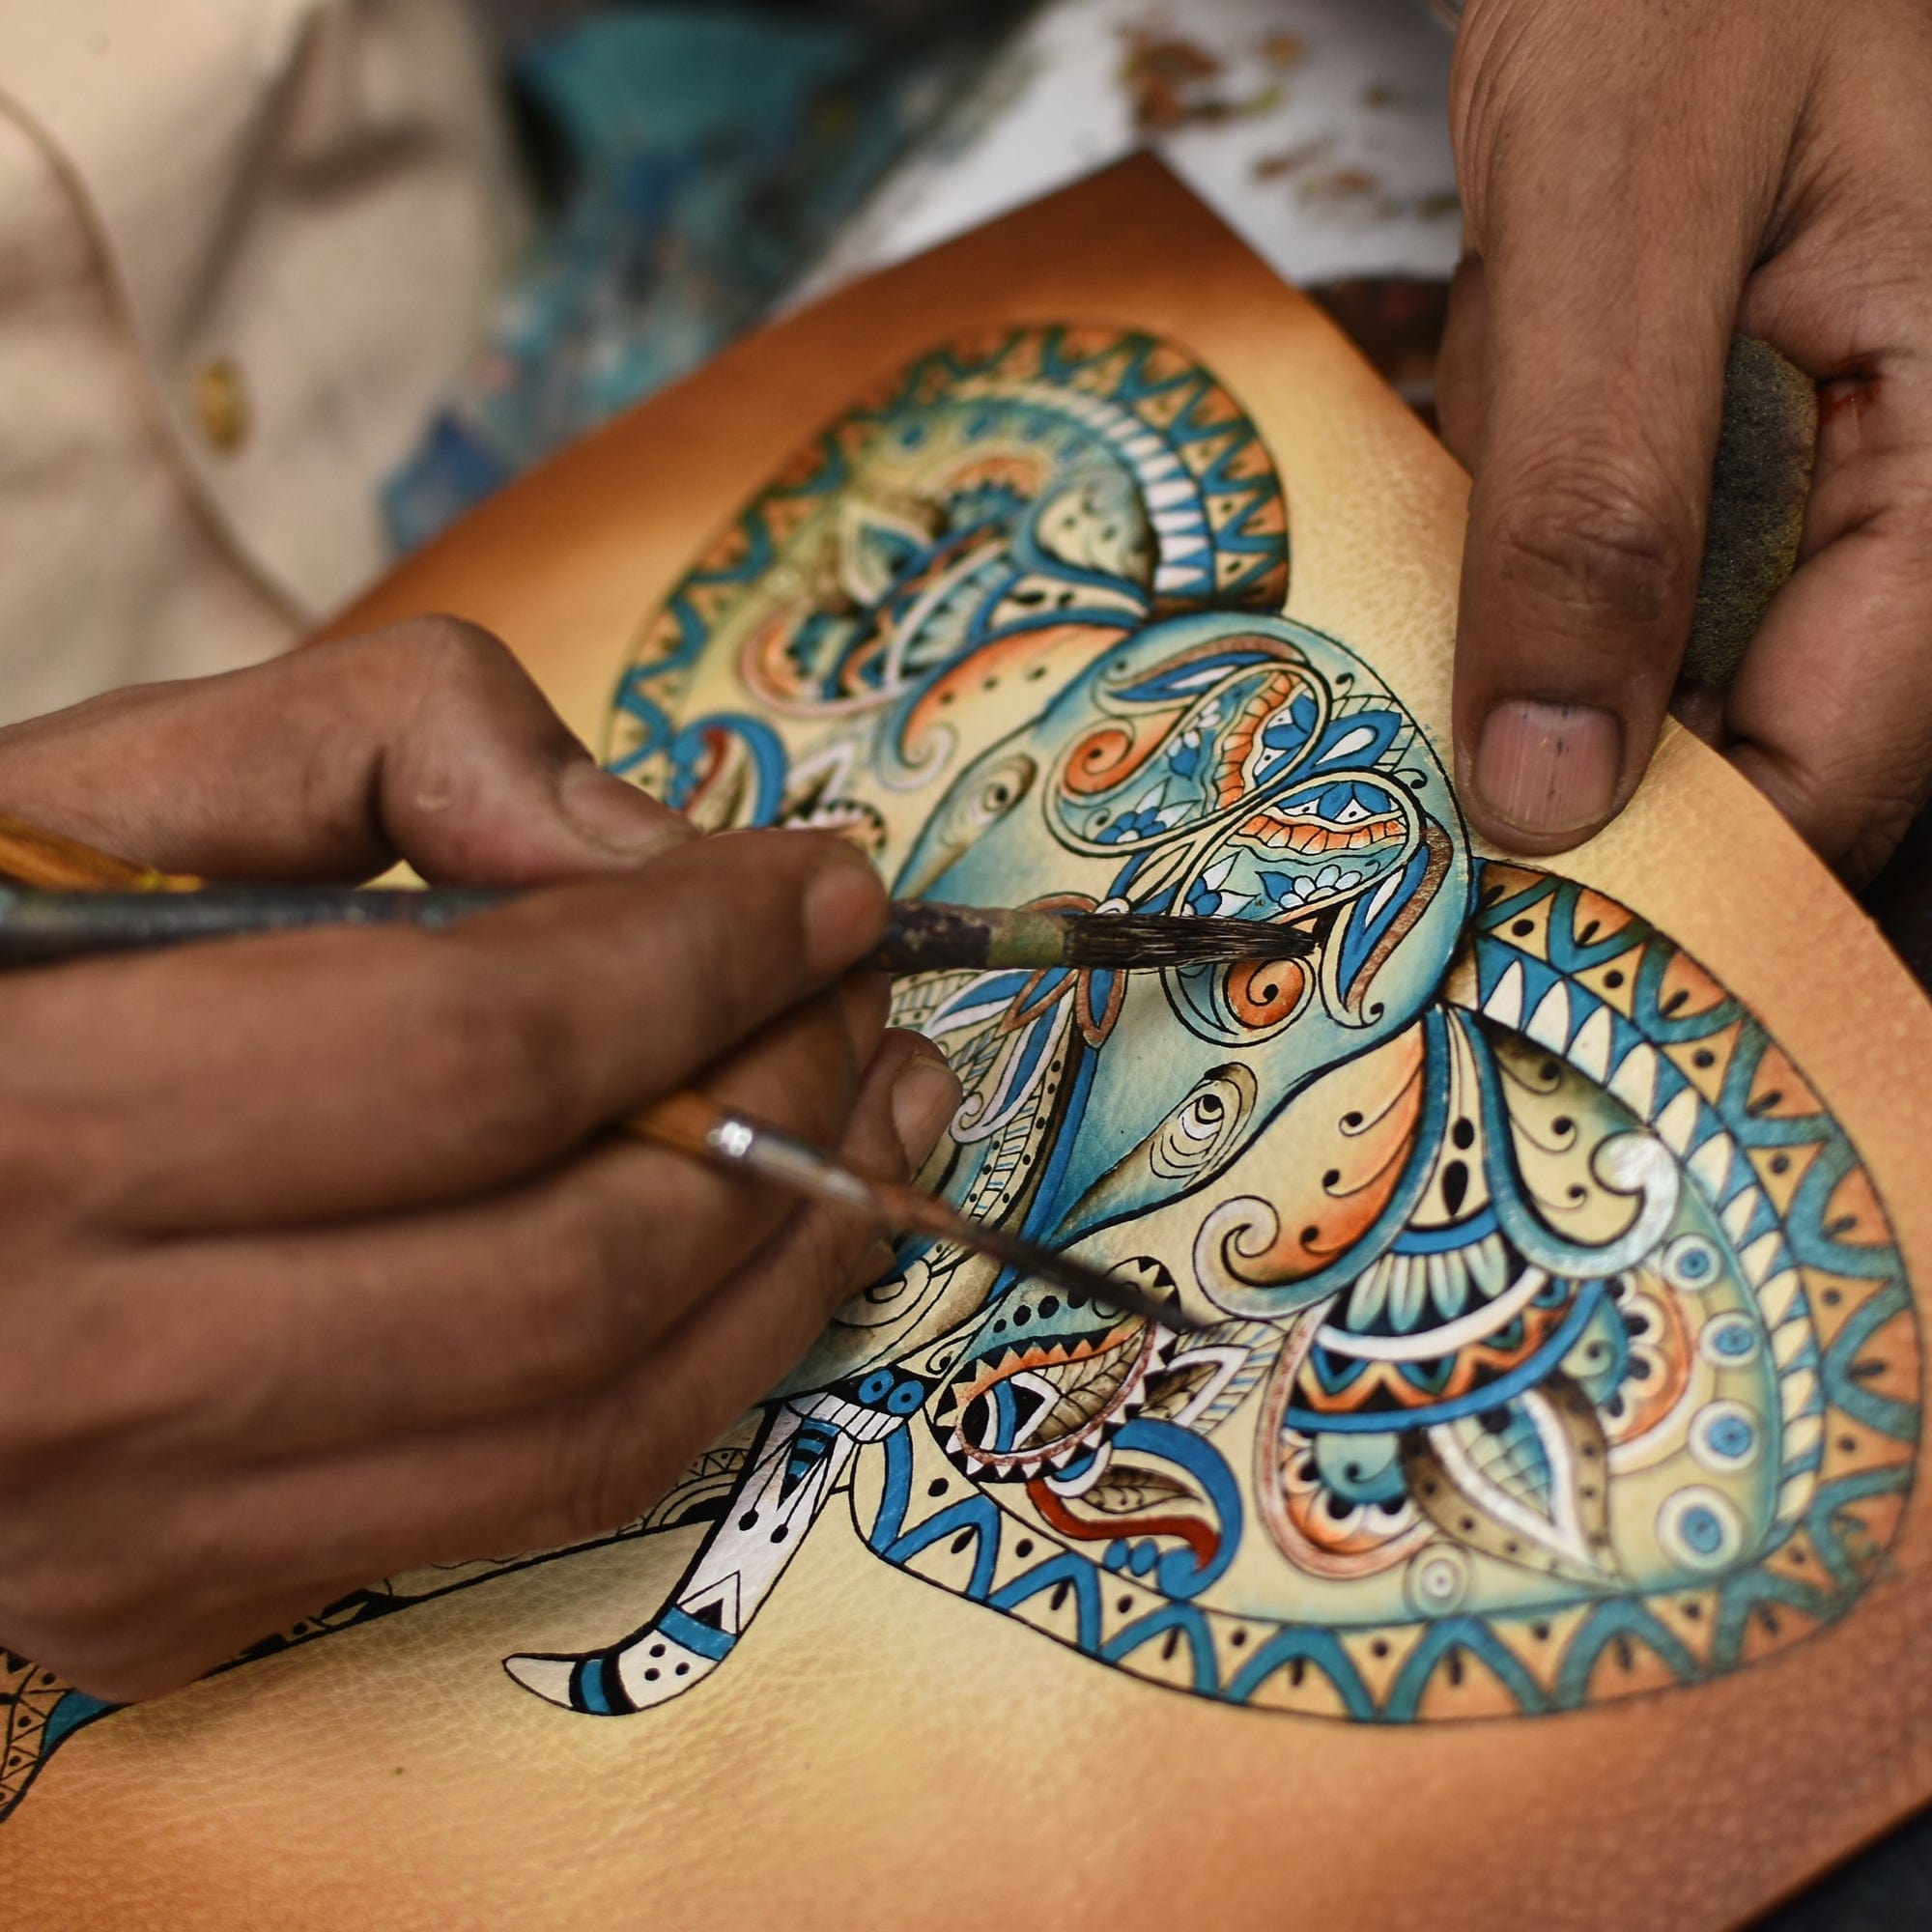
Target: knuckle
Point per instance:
(825, 1255)
(79, 1615)
(443, 650)
(1578, 543)
(119, 1661)
(104, 1361)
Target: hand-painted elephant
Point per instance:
(1558, 1347)
(1561, 1347)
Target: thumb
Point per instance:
(1609, 289)
(427, 742)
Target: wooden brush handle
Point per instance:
(51, 861)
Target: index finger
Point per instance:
(427, 742)
(341, 1073)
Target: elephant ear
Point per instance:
(1001, 491)
(1596, 1314)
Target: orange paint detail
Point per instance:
(1102, 758)
(1069, 648)
(1778, 1090)
(1601, 918)
(1347, 1179)
(1476, 1363)
(1854, 1215)
(1026, 475)
(1262, 992)
(1688, 989)
(1198, 1536)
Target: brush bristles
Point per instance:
(1102, 941)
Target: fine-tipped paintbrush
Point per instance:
(39, 927)
(692, 1123)
(695, 1124)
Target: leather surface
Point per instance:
(879, 1751)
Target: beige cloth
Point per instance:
(243, 243)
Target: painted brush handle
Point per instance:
(40, 928)
(933, 938)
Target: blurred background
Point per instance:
(697, 167)
(286, 286)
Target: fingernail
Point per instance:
(1549, 769)
(844, 912)
(925, 1096)
(614, 816)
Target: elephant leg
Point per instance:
(800, 1455)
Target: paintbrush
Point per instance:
(40, 928)
(53, 925)
(695, 1124)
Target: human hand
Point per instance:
(315, 1263)
(1639, 181)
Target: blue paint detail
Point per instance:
(1629, 1621)
(74, 1709)
(705, 1638)
(1158, 1626)
(1441, 1241)
(1084, 1588)
(1179, 1574)
(1481, 1641)
(973, 1516)
(1527, 1375)
(1310, 1645)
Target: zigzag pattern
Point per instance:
(1199, 463)
(1606, 992)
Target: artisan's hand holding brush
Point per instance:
(41, 926)
(315, 1263)
(69, 901)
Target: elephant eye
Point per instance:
(1205, 1127)
(1006, 785)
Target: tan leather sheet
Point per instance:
(1527, 1539)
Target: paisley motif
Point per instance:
(1556, 1345)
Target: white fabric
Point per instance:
(316, 192)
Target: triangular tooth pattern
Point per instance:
(1797, 1395)
(1789, 1342)
(1634, 1082)
(1795, 1498)
(1761, 1258)
(1778, 1294)
(1549, 1024)
(1590, 1050)
(1677, 1124)
(1504, 1004)
(1740, 1212)
(1805, 1442)
(1711, 1166)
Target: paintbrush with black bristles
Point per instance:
(48, 917)
(70, 900)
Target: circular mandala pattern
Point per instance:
(1724, 1437)
(1730, 1340)
(1436, 1581)
(1701, 1528)
(1692, 1263)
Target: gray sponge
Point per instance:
(1759, 485)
